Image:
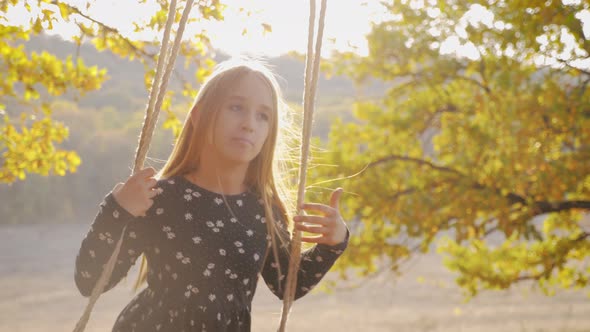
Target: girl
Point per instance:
(207, 226)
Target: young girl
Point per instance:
(214, 220)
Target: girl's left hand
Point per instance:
(330, 226)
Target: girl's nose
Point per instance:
(248, 121)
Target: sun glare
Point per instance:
(241, 31)
(347, 23)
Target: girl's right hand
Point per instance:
(136, 194)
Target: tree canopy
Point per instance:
(30, 139)
(481, 145)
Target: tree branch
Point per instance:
(414, 160)
(107, 28)
(548, 207)
(553, 264)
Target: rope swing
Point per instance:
(156, 98)
(310, 87)
(166, 59)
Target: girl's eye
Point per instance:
(235, 107)
(263, 116)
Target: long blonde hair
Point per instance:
(266, 174)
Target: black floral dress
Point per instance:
(205, 252)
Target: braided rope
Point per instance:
(310, 87)
(141, 152)
(150, 120)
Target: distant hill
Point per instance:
(125, 89)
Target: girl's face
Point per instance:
(244, 121)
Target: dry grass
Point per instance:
(37, 293)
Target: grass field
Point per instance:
(37, 294)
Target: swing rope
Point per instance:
(310, 87)
(151, 118)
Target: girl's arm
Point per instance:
(127, 205)
(99, 244)
(315, 263)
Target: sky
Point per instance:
(347, 23)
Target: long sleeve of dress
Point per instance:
(315, 263)
(99, 244)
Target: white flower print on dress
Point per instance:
(91, 253)
(106, 236)
(196, 194)
(159, 211)
(190, 290)
(169, 232)
(196, 239)
(218, 200)
(256, 257)
(222, 252)
(257, 217)
(188, 197)
(116, 214)
(188, 190)
(249, 232)
(230, 297)
(212, 297)
(210, 224)
(184, 260)
(246, 281)
(132, 235)
(239, 202)
(238, 244)
(263, 220)
(188, 216)
(219, 223)
(233, 220)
